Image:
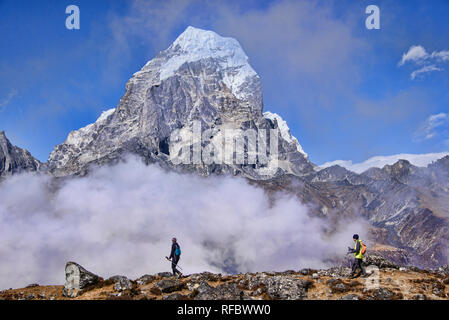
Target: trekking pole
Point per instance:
(177, 266)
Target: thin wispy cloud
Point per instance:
(425, 69)
(8, 99)
(418, 55)
(431, 126)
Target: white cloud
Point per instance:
(429, 126)
(442, 55)
(120, 220)
(419, 160)
(425, 69)
(415, 54)
(419, 56)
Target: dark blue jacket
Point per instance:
(173, 250)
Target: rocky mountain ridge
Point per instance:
(405, 205)
(387, 281)
(14, 159)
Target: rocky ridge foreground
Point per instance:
(387, 282)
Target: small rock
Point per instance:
(115, 278)
(444, 269)
(340, 287)
(206, 276)
(30, 297)
(350, 297)
(419, 297)
(315, 276)
(145, 279)
(168, 285)
(32, 285)
(259, 291)
(192, 286)
(383, 294)
(305, 272)
(122, 283)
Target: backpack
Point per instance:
(178, 250)
(363, 248)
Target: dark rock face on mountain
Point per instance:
(202, 79)
(15, 160)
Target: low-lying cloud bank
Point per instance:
(419, 160)
(120, 220)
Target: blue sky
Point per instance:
(339, 86)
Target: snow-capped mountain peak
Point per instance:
(196, 44)
(201, 78)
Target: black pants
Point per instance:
(358, 264)
(174, 262)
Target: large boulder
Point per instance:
(169, 285)
(76, 279)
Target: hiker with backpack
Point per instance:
(174, 257)
(358, 251)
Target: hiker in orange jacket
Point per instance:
(358, 254)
